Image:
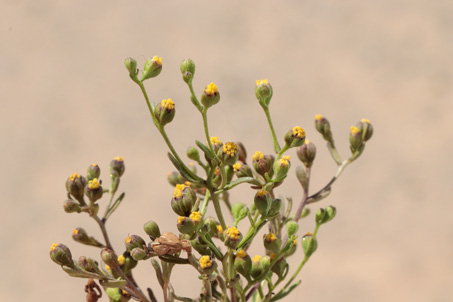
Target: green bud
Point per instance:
(61, 255)
(133, 241)
(265, 263)
(188, 70)
(281, 167)
(263, 92)
(263, 163)
(117, 165)
(295, 137)
(239, 211)
(243, 263)
(75, 185)
(331, 212)
(152, 229)
(262, 202)
(127, 263)
(309, 244)
(165, 111)
(323, 127)
(138, 254)
(211, 225)
(232, 237)
(256, 266)
(70, 206)
(228, 154)
(292, 248)
(276, 205)
(93, 172)
(207, 264)
(201, 248)
(302, 176)
(94, 190)
(131, 66)
(116, 294)
(305, 212)
(325, 215)
(183, 200)
(242, 170)
(152, 68)
(185, 225)
(366, 128)
(88, 264)
(174, 178)
(307, 153)
(109, 257)
(291, 228)
(272, 243)
(192, 153)
(242, 152)
(81, 236)
(210, 95)
(280, 268)
(355, 139)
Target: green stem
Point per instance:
(204, 113)
(204, 206)
(218, 210)
(280, 153)
(294, 275)
(104, 231)
(193, 97)
(271, 126)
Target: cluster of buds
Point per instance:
(360, 134)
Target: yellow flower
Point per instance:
(205, 262)
(94, 184)
(195, 216)
(241, 254)
(257, 156)
(256, 259)
(298, 132)
(259, 82)
(354, 130)
(118, 158)
(177, 193)
(74, 176)
(157, 60)
(121, 259)
(237, 166)
(211, 89)
(230, 149)
(233, 233)
(167, 104)
(318, 117)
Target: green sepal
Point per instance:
(113, 283)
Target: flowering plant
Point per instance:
(213, 246)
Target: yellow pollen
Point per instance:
(354, 130)
(74, 176)
(270, 237)
(108, 268)
(298, 132)
(128, 239)
(217, 171)
(195, 216)
(168, 104)
(75, 232)
(318, 117)
(181, 219)
(364, 120)
(260, 82)
(273, 256)
(219, 229)
(53, 247)
(241, 254)
(230, 149)
(308, 234)
(119, 158)
(256, 259)
(211, 89)
(286, 157)
(94, 165)
(284, 162)
(215, 140)
(295, 242)
(157, 60)
(205, 262)
(257, 156)
(121, 259)
(237, 166)
(187, 183)
(178, 192)
(233, 233)
(307, 141)
(261, 193)
(94, 184)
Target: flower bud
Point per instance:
(323, 127)
(207, 264)
(262, 201)
(138, 254)
(70, 206)
(228, 154)
(242, 170)
(325, 215)
(165, 111)
(152, 68)
(307, 153)
(94, 190)
(301, 175)
(291, 228)
(75, 185)
(81, 236)
(216, 143)
(232, 237)
(61, 255)
(200, 247)
(211, 225)
(243, 263)
(185, 225)
(280, 268)
(188, 70)
(192, 153)
(355, 139)
(276, 205)
(292, 248)
(117, 165)
(210, 96)
(271, 242)
(295, 137)
(305, 212)
(152, 229)
(281, 167)
(262, 163)
(256, 267)
(265, 263)
(242, 152)
(93, 172)
(109, 257)
(239, 211)
(174, 178)
(366, 128)
(87, 264)
(183, 200)
(126, 262)
(309, 244)
(263, 92)
(131, 66)
(133, 241)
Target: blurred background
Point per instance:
(67, 102)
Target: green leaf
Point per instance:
(185, 172)
(281, 295)
(206, 150)
(79, 273)
(113, 283)
(115, 205)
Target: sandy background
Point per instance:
(67, 102)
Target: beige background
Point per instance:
(67, 102)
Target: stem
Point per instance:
(217, 208)
(204, 113)
(294, 275)
(104, 231)
(337, 175)
(274, 137)
(204, 206)
(207, 286)
(193, 97)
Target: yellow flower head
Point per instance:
(219, 229)
(364, 120)
(284, 161)
(257, 156)
(217, 171)
(53, 247)
(108, 268)
(178, 192)
(75, 231)
(94, 184)
(237, 166)
(167, 104)
(261, 192)
(121, 259)
(230, 149)
(128, 239)
(270, 237)
(233, 233)
(95, 165)
(118, 158)
(298, 132)
(157, 60)
(272, 255)
(215, 140)
(354, 130)
(195, 216)
(74, 176)
(256, 259)
(259, 82)
(211, 89)
(241, 254)
(306, 141)
(181, 219)
(295, 242)
(318, 117)
(205, 262)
